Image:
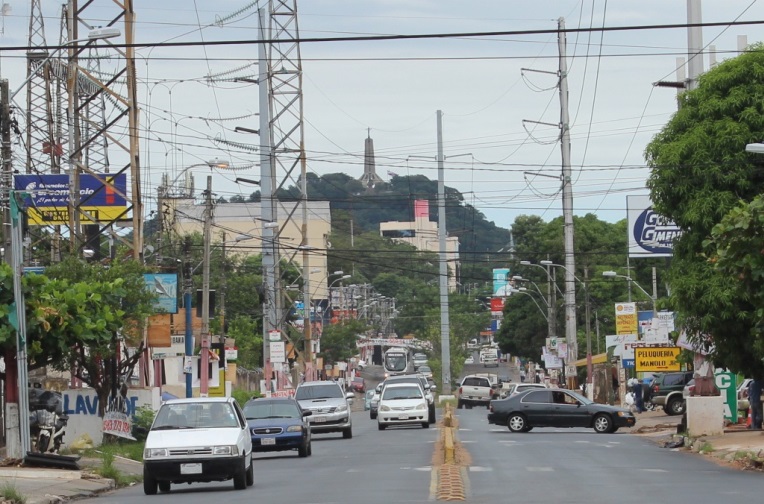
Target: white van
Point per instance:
(489, 357)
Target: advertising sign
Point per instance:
(48, 200)
(626, 318)
(650, 234)
(727, 385)
(497, 306)
(501, 282)
(618, 341)
(165, 286)
(656, 359)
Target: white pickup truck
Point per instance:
(489, 357)
(473, 390)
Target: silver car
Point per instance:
(329, 407)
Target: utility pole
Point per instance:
(567, 210)
(445, 330)
(7, 172)
(205, 359)
(589, 365)
(189, 335)
(267, 206)
(694, 44)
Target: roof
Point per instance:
(200, 400)
(596, 359)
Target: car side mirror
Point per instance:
(379, 389)
(349, 396)
(433, 387)
(307, 413)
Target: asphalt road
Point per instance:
(372, 467)
(574, 466)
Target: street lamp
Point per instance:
(523, 290)
(756, 148)
(551, 304)
(653, 297)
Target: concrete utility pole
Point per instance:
(567, 210)
(268, 209)
(189, 334)
(7, 171)
(205, 359)
(445, 329)
(694, 44)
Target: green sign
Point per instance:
(727, 385)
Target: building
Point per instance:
(423, 234)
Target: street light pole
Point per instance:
(653, 297)
(205, 358)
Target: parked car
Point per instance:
(278, 424)
(329, 405)
(358, 384)
(374, 402)
(200, 439)
(556, 408)
(667, 391)
(469, 360)
(689, 389)
(423, 382)
(402, 404)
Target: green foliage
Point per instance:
(700, 173)
(249, 341)
(242, 396)
(143, 418)
(338, 341)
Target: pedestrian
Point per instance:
(637, 389)
(754, 399)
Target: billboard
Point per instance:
(165, 286)
(501, 285)
(48, 200)
(650, 234)
(626, 318)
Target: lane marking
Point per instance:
(480, 469)
(655, 470)
(540, 469)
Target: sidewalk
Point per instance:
(48, 486)
(738, 446)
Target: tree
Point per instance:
(700, 172)
(338, 341)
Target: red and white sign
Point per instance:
(281, 393)
(497, 305)
(117, 424)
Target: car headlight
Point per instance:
(154, 453)
(422, 406)
(384, 407)
(624, 414)
(294, 428)
(225, 450)
(343, 407)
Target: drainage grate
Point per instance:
(450, 484)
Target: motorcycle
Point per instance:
(48, 428)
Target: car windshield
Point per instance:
(394, 393)
(195, 416)
(424, 369)
(324, 391)
(257, 410)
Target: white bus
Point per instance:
(396, 361)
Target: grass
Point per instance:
(127, 449)
(706, 448)
(443, 403)
(107, 470)
(11, 494)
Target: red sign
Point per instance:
(497, 304)
(281, 393)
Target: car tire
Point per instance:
(302, 451)
(240, 477)
(516, 422)
(251, 472)
(149, 483)
(425, 425)
(310, 449)
(373, 416)
(347, 433)
(602, 424)
(164, 486)
(675, 406)
(381, 426)
(431, 415)
(459, 404)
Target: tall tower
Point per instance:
(369, 177)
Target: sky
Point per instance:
(503, 162)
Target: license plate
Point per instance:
(191, 468)
(268, 441)
(404, 417)
(319, 419)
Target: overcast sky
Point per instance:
(394, 88)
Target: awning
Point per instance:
(596, 359)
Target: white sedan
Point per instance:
(469, 360)
(402, 404)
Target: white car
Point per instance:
(420, 359)
(402, 404)
(469, 360)
(425, 371)
(200, 439)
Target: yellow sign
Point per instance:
(43, 216)
(656, 359)
(625, 318)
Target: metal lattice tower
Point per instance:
(100, 107)
(42, 147)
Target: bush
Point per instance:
(144, 417)
(242, 396)
(9, 493)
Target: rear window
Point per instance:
(324, 391)
(476, 382)
(673, 379)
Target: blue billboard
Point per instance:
(165, 286)
(501, 285)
